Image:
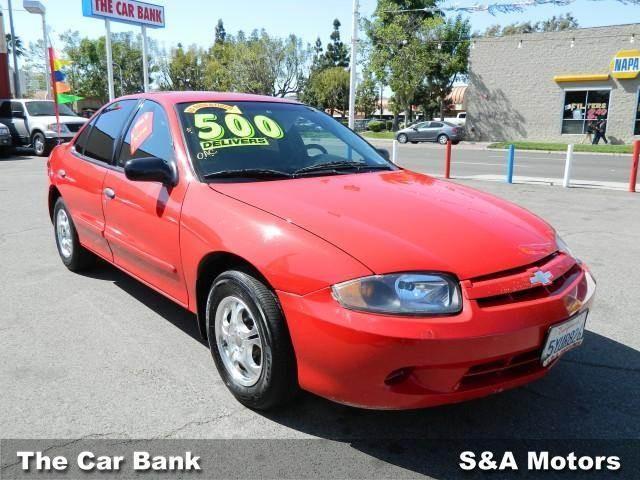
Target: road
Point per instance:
(100, 355)
(467, 161)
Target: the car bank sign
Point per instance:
(625, 64)
(127, 11)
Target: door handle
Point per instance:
(109, 193)
(62, 173)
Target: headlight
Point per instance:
(402, 293)
(563, 247)
(4, 131)
(54, 127)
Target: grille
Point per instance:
(535, 293)
(505, 368)
(74, 127)
(515, 285)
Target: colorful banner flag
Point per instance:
(62, 87)
(67, 98)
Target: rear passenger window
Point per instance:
(148, 135)
(81, 142)
(107, 129)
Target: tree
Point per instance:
(553, 24)
(185, 70)
(449, 59)
(328, 89)
(367, 95)
(336, 54)
(220, 34)
(20, 50)
(87, 74)
(401, 46)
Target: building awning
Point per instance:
(456, 97)
(584, 77)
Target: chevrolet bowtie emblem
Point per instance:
(543, 278)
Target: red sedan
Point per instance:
(310, 260)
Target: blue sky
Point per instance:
(192, 21)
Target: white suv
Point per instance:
(33, 122)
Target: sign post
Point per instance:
(126, 11)
(107, 28)
(145, 63)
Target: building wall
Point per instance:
(512, 94)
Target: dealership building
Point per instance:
(552, 86)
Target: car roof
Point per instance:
(171, 98)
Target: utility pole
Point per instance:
(5, 91)
(16, 75)
(354, 64)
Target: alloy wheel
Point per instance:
(63, 231)
(238, 340)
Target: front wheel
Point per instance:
(249, 341)
(443, 139)
(39, 143)
(402, 138)
(74, 256)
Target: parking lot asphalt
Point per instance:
(101, 355)
(469, 160)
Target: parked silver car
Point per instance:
(5, 140)
(33, 122)
(439, 132)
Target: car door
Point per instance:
(432, 132)
(421, 130)
(81, 174)
(143, 218)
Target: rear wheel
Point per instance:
(402, 138)
(39, 143)
(443, 139)
(249, 341)
(74, 256)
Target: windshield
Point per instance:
(47, 108)
(272, 138)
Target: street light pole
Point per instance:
(33, 6)
(354, 63)
(16, 76)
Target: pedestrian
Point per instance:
(600, 127)
(588, 138)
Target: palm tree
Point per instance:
(20, 50)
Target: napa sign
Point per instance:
(126, 11)
(626, 64)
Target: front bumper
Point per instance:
(6, 141)
(388, 362)
(52, 136)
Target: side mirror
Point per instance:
(151, 169)
(414, 128)
(17, 114)
(384, 153)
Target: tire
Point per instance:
(74, 256)
(39, 144)
(5, 152)
(443, 139)
(455, 142)
(402, 138)
(256, 336)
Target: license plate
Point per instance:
(563, 337)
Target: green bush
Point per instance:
(375, 126)
(389, 125)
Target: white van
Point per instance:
(33, 123)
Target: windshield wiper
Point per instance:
(340, 165)
(249, 173)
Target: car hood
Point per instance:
(403, 221)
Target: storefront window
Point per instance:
(636, 128)
(583, 108)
